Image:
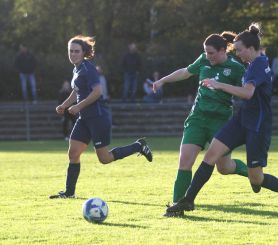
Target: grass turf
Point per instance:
(227, 211)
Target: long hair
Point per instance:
(87, 44)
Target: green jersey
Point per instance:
(212, 102)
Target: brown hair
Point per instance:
(250, 37)
(223, 40)
(87, 44)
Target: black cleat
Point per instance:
(145, 149)
(181, 205)
(173, 214)
(62, 194)
(256, 188)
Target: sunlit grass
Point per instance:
(227, 211)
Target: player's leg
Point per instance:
(225, 165)
(140, 146)
(101, 134)
(188, 155)
(226, 139)
(201, 176)
(76, 148)
(193, 141)
(257, 146)
(79, 140)
(258, 179)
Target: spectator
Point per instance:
(150, 96)
(103, 84)
(274, 69)
(131, 65)
(25, 64)
(68, 119)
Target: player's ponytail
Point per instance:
(254, 28)
(229, 37)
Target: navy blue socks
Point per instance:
(270, 182)
(72, 176)
(201, 176)
(124, 151)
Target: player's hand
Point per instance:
(60, 109)
(74, 109)
(211, 83)
(157, 85)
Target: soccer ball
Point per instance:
(95, 210)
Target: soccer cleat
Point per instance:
(62, 194)
(145, 149)
(256, 188)
(180, 206)
(173, 214)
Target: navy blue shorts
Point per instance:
(97, 129)
(233, 134)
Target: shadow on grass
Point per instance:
(137, 203)
(209, 219)
(240, 208)
(123, 225)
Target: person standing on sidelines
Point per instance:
(25, 64)
(251, 126)
(211, 109)
(131, 65)
(94, 121)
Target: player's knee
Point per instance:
(255, 176)
(73, 154)
(211, 156)
(104, 160)
(186, 162)
(222, 170)
(255, 179)
(185, 165)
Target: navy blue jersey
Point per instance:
(85, 78)
(256, 112)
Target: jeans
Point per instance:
(153, 97)
(130, 85)
(23, 79)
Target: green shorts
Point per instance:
(200, 130)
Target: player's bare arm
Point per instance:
(69, 101)
(92, 97)
(245, 92)
(178, 75)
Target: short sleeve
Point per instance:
(93, 77)
(194, 68)
(256, 74)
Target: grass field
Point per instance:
(227, 211)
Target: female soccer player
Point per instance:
(211, 109)
(94, 122)
(250, 126)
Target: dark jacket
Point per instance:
(25, 63)
(131, 63)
